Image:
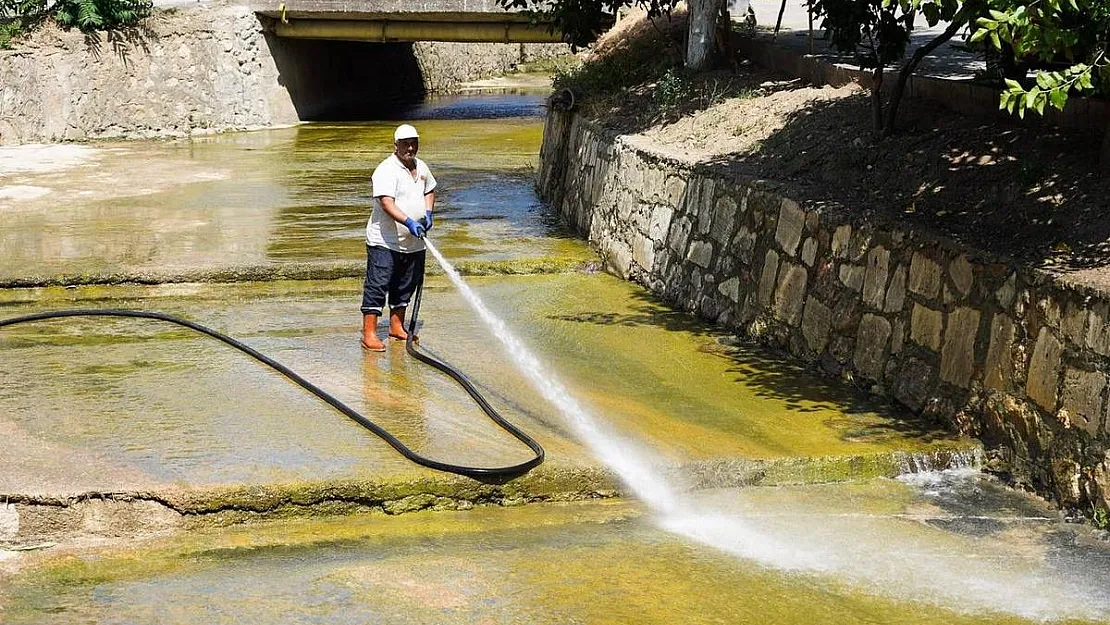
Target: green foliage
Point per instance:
(671, 89)
(1050, 30)
(19, 16)
(581, 21)
(1102, 518)
(878, 31)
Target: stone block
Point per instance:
(679, 235)
(731, 289)
(815, 324)
(1082, 398)
(792, 219)
(809, 251)
(1044, 370)
(911, 387)
(871, 346)
(743, 245)
(924, 276)
(1005, 293)
(897, 336)
(1097, 337)
(618, 258)
(840, 239)
(1074, 323)
(701, 254)
(790, 294)
(874, 282)
(852, 276)
(896, 292)
(661, 216)
(925, 326)
(724, 215)
(962, 273)
(957, 356)
(675, 189)
(643, 252)
(767, 278)
(999, 368)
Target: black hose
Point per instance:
(487, 473)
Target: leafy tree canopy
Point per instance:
(1071, 33)
(18, 16)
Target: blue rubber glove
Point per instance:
(427, 221)
(415, 227)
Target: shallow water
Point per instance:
(913, 553)
(97, 404)
(265, 197)
(179, 406)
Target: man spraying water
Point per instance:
(404, 196)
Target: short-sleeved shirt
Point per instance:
(391, 178)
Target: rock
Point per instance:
(871, 346)
(874, 282)
(841, 237)
(790, 294)
(767, 278)
(999, 365)
(925, 326)
(962, 274)
(731, 289)
(723, 216)
(896, 293)
(643, 252)
(679, 235)
(1082, 398)
(1005, 293)
(852, 276)
(924, 276)
(1044, 370)
(815, 324)
(701, 254)
(792, 219)
(911, 387)
(809, 251)
(957, 357)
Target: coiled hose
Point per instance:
(483, 473)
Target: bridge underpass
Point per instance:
(348, 60)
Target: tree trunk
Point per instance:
(958, 22)
(877, 97)
(700, 31)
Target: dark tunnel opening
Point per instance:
(348, 80)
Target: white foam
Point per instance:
(22, 192)
(39, 158)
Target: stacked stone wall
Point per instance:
(998, 351)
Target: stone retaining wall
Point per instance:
(998, 351)
(212, 67)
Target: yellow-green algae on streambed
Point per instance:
(179, 407)
(596, 563)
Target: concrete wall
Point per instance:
(995, 350)
(213, 67)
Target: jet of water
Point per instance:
(855, 552)
(631, 464)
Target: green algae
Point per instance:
(597, 562)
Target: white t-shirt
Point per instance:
(391, 178)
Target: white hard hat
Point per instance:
(405, 131)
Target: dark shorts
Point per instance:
(390, 275)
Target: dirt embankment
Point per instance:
(1029, 192)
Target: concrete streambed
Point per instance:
(952, 549)
(153, 475)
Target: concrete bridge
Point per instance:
(477, 21)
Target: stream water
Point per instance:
(594, 367)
